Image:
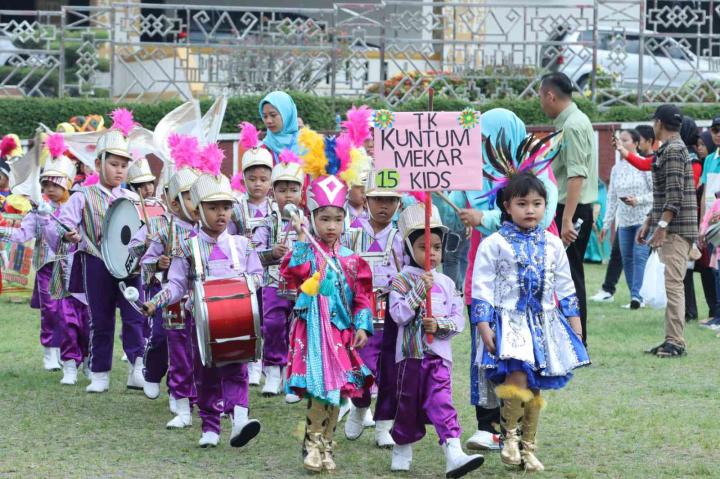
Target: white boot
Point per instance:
(401, 457)
(457, 462)
(184, 415)
(172, 403)
(51, 359)
(99, 382)
(273, 381)
(368, 420)
(291, 398)
(254, 373)
(69, 372)
(354, 424)
(151, 390)
(243, 429)
(209, 439)
(136, 380)
(344, 409)
(382, 434)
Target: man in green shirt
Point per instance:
(576, 171)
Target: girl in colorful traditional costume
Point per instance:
(333, 316)
(527, 313)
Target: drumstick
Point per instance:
(397, 261)
(144, 212)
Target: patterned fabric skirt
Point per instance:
(302, 381)
(543, 346)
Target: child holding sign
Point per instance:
(531, 343)
(425, 366)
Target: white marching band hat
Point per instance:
(211, 188)
(140, 172)
(413, 219)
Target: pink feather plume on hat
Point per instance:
(92, 179)
(56, 145)
(212, 157)
(7, 145)
(358, 125)
(343, 146)
(184, 150)
(288, 156)
(237, 183)
(123, 120)
(249, 136)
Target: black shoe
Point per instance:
(635, 304)
(654, 350)
(670, 350)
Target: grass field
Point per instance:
(629, 415)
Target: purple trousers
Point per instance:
(218, 388)
(180, 373)
(104, 297)
(275, 327)
(156, 348)
(51, 322)
(76, 330)
(370, 355)
(386, 377)
(424, 397)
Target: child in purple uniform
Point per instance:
(221, 255)
(424, 365)
(380, 245)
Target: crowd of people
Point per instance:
(335, 268)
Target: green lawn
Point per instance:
(628, 415)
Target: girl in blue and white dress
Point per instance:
(525, 304)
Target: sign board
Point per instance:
(428, 151)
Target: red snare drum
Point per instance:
(227, 321)
(379, 308)
(174, 316)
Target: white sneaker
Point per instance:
(602, 296)
(151, 390)
(136, 379)
(483, 441)
(292, 398)
(354, 424)
(626, 306)
(184, 415)
(99, 382)
(254, 373)
(383, 438)
(401, 457)
(273, 381)
(69, 372)
(51, 359)
(124, 358)
(172, 404)
(209, 439)
(243, 429)
(457, 462)
(344, 409)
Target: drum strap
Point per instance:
(233, 253)
(197, 259)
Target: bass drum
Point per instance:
(227, 321)
(122, 221)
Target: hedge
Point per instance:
(21, 116)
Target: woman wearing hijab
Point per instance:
(484, 216)
(279, 114)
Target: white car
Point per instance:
(666, 63)
(7, 49)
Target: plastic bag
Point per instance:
(653, 285)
